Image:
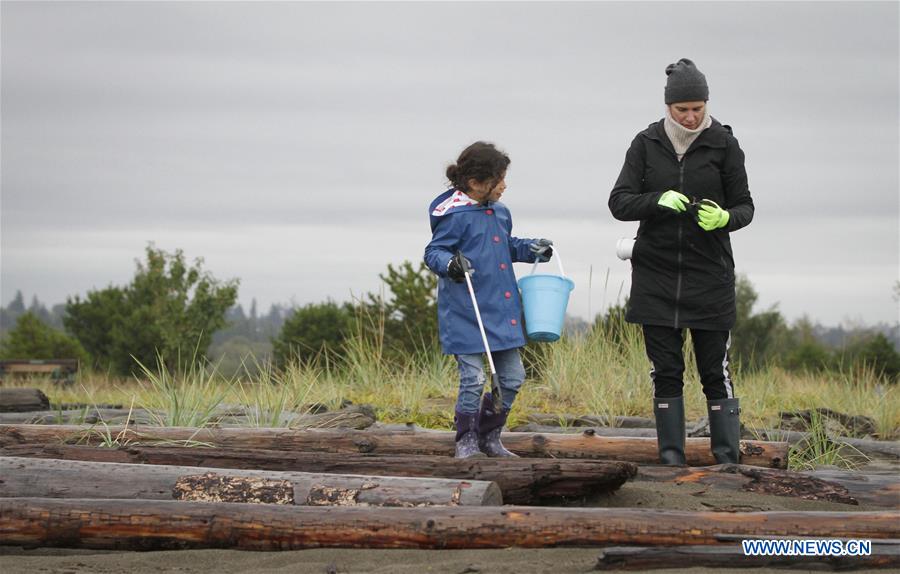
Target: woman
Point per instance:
(684, 180)
(468, 219)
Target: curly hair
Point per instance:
(480, 161)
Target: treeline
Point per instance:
(172, 312)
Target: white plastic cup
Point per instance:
(624, 246)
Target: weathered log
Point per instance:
(876, 489)
(18, 400)
(584, 445)
(81, 416)
(886, 449)
(699, 428)
(77, 479)
(569, 420)
(833, 421)
(597, 431)
(676, 557)
(153, 524)
(889, 449)
(351, 417)
(847, 488)
(521, 480)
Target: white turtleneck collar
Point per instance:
(680, 136)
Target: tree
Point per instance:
(17, 305)
(803, 352)
(31, 338)
(877, 353)
(756, 338)
(11, 313)
(169, 308)
(97, 322)
(411, 322)
(312, 329)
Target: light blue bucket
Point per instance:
(545, 298)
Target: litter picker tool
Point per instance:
(495, 379)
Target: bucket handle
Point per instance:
(558, 261)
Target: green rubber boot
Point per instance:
(725, 430)
(669, 413)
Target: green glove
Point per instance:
(674, 201)
(710, 216)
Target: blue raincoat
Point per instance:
(484, 235)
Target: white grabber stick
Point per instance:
(496, 394)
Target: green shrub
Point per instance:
(168, 306)
(311, 330)
(31, 338)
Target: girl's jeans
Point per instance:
(472, 378)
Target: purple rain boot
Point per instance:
(467, 436)
(490, 424)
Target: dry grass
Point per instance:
(602, 372)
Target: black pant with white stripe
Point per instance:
(664, 348)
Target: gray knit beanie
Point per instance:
(685, 83)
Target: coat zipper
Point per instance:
(680, 224)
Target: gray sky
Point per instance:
(297, 145)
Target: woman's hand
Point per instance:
(710, 216)
(674, 200)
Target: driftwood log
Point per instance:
(352, 417)
(584, 445)
(883, 491)
(699, 428)
(883, 449)
(876, 489)
(598, 431)
(19, 400)
(521, 480)
(676, 557)
(569, 420)
(79, 416)
(48, 478)
(153, 524)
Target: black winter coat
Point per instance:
(682, 276)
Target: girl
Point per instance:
(470, 219)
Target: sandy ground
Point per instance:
(323, 561)
(636, 494)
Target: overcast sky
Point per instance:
(296, 146)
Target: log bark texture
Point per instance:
(847, 488)
(521, 480)
(152, 524)
(651, 558)
(50, 478)
(584, 445)
(18, 400)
